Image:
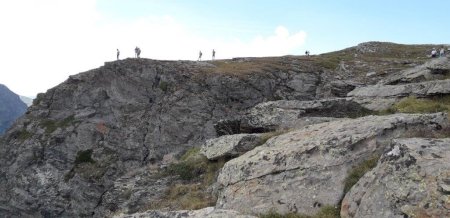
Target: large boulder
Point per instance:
(302, 170)
(230, 145)
(284, 114)
(411, 180)
(435, 69)
(423, 89)
(382, 97)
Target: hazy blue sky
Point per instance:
(45, 41)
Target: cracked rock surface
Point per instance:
(302, 170)
(411, 180)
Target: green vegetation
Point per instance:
(194, 165)
(414, 105)
(67, 121)
(332, 60)
(163, 85)
(196, 173)
(51, 125)
(23, 135)
(189, 196)
(324, 212)
(358, 171)
(84, 157)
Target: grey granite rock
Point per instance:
(422, 89)
(303, 170)
(230, 145)
(435, 69)
(78, 142)
(274, 115)
(411, 180)
(208, 212)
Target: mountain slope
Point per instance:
(11, 107)
(98, 144)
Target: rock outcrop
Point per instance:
(209, 212)
(383, 97)
(423, 89)
(303, 170)
(411, 180)
(116, 140)
(230, 145)
(82, 136)
(11, 107)
(274, 115)
(435, 69)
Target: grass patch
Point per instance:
(67, 121)
(197, 174)
(49, 125)
(189, 196)
(84, 157)
(23, 135)
(164, 86)
(414, 105)
(52, 125)
(358, 171)
(324, 212)
(195, 166)
(332, 60)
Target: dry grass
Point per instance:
(358, 171)
(197, 174)
(324, 212)
(186, 197)
(415, 105)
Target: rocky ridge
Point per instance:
(98, 144)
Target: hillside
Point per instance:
(249, 136)
(11, 107)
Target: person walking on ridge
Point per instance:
(213, 54)
(118, 53)
(442, 52)
(137, 52)
(199, 56)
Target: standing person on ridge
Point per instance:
(442, 52)
(199, 56)
(137, 52)
(118, 53)
(213, 54)
(433, 53)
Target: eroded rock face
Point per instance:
(303, 170)
(230, 145)
(273, 115)
(382, 97)
(411, 180)
(209, 212)
(434, 69)
(422, 89)
(81, 138)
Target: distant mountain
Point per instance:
(11, 107)
(27, 100)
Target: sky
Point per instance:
(42, 42)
